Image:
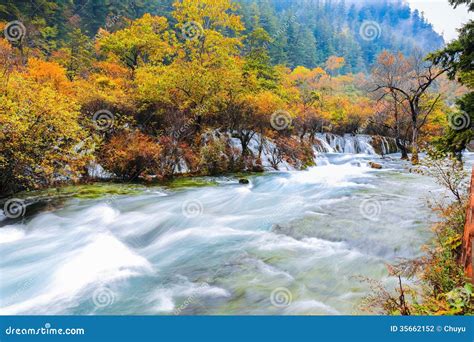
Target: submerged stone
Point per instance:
(375, 166)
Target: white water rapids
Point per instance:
(225, 249)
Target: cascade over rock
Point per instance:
(354, 144)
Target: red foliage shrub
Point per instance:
(131, 155)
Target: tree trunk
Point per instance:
(399, 141)
(260, 146)
(415, 157)
(415, 111)
(401, 146)
(244, 141)
(303, 133)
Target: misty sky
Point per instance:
(444, 18)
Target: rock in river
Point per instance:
(375, 166)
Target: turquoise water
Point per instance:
(288, 243)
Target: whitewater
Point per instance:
(288, 243)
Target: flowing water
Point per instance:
(287, 243)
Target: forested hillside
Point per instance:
(301, 32)
(358, 30)
(213, 86)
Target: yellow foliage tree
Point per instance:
(39, 132)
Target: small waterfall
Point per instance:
(353, 144)
(364, 144)
(322, 146)
(323, 143)
(385, 146)
(348, 143)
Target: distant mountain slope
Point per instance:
(303, 32)
(307, 32)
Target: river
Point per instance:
(288, 243)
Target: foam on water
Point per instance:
(103, 260)
(310, 306)
(304, 231)
(11, 234)
(331, 175)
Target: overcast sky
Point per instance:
(444, 18)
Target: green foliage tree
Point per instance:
(458, 58)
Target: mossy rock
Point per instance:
(89, 191)
(95, 191)
(189, 183)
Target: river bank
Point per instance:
(264, 155)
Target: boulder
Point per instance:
(375, 166)
(244, 181)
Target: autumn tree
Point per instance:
(334, 63)
(393, 118)
(9, 61)
(130, 155)
(145, 40)
(40, 132)
(410, 80)
(307, 100)
(208, 66)
(251, 114)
